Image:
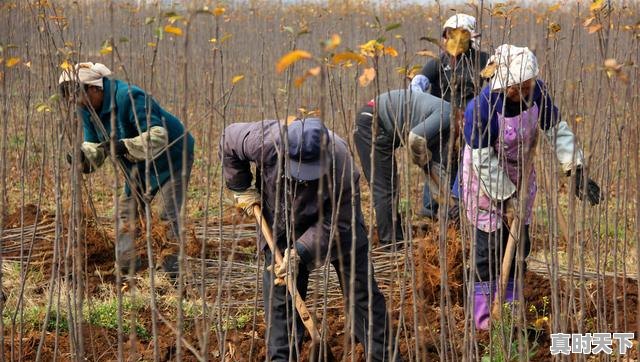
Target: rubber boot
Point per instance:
(129, 262)
(510, 294)
(482, 304)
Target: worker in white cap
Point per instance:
(143, 132)
(500, 131)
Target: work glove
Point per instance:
(245, 200)
(84, 161)
(120, 148)
(288, 267)
(590, 190)
(420, 154)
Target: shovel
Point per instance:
(515, 231)
(308, 321)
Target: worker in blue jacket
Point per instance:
(144, 131)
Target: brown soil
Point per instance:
(617, 301)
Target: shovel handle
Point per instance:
(301, 307)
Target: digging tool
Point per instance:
(515, 231)
(301, 307)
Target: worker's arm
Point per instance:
(481, 131)
(431, 134)
(431, 70)
(242, 144)
(557, 131)
(144, 114)
(93, 154)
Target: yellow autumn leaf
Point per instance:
(291, 58)
(66, 66)
(42, 107)
(366, 77)
(219, 11)
(554, 28)
(489, 70)
(390, 51)
(299, 81)
(596, 5)
(371, 48)
(594, 28)
(332, 43)
(553, 8)
(173, 30)
(588, 21)
(458, 41)
(313, 71)
(12, 62)
(291, 118)
(237, 78)
(107, 49)
(151, 44)
(348, 56)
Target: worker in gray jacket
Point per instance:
(309, 193)
(401, 115)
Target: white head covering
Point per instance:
(514, 65)
(420, 83)
(86, 73)
(466, 22)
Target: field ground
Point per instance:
(213, 63)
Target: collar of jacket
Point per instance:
(107, 85)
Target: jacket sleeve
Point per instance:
(143, 114)
(557, 132)
(240, 145)
(431, 71)
(481, 132)
(437, 121)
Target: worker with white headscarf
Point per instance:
(145, 135)
(500, 130)
(454, 78)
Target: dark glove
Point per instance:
(120, 148)
(84, 161)
(590, 189)
(454, 213)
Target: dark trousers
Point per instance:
(489, 251)
(279, 309)
(384, 188)
(171, 195)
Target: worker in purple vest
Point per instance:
(500, 130)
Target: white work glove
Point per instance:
(288, 267)
(245, 200)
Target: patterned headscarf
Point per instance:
(513, 65)
(86, 73)
(466, 22)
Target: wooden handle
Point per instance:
(509, 252)
(301, 307)
(515, 231)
